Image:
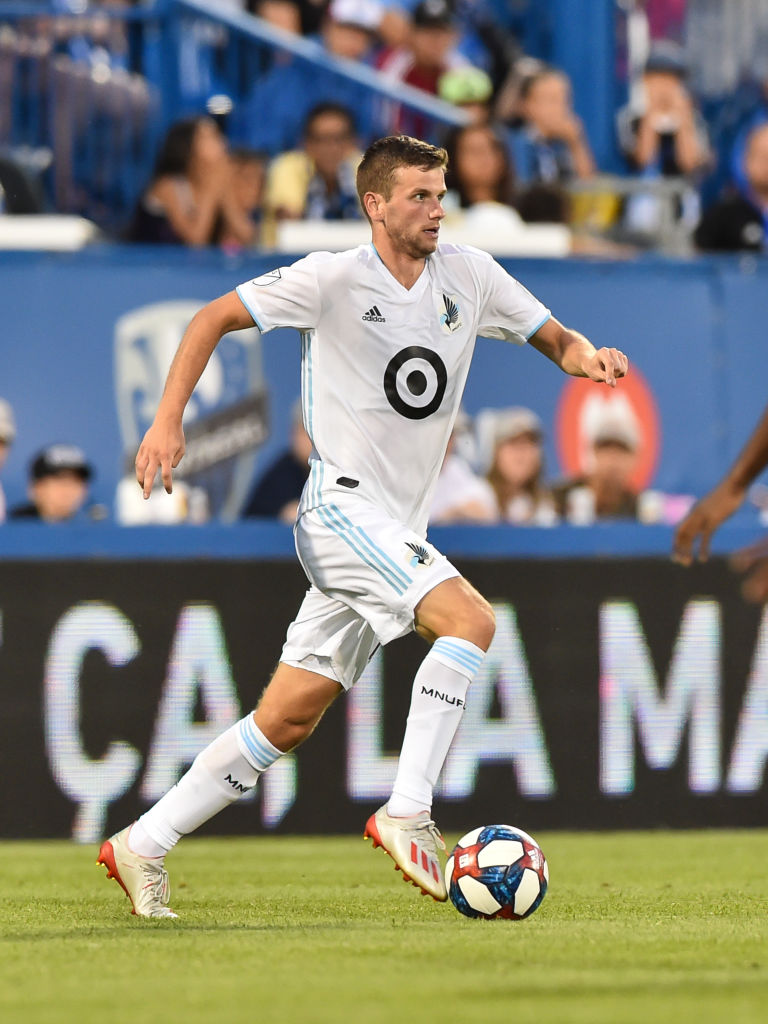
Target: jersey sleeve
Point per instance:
(509, 311)
(284, 297)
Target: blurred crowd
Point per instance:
(694, 169)
(522, 158)
(229, 175)
(494, 472)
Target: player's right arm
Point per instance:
(721, 502)
(163, 444)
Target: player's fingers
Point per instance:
(682, 546)
(166, 471)
(140, 466)
(706, 537)
(755, 587)
(619, 363)
(745, 558)
(150, 471)
(178, 456)
(608, 362)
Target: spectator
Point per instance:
(479, 169)
(516, 465)
(276, 494)
(550, 145)
(190, 199)
(481, 193)
(429, 52)
(664, 134)
(740, 220)
(293, 87)
(469, 88)
(461, 496)
(284, 14)
(754, 97)
(247, 188)
(58, 485)
(318, 182)
(7, 437)
(604, 491)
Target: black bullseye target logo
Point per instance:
(415, 382)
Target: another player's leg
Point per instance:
(290, 708)
(461, 624)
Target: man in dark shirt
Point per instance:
(277, 492)
(740, 221)
(58, 485)
(604, 490)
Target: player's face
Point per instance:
(412, 214)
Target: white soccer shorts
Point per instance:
(368, 572)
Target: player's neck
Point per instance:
(405, 269)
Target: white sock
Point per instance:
(218, 776)
(437, 704)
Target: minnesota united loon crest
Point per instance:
(450, 317)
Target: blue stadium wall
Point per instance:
(620, 691)
(695, 331)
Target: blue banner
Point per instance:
(87, 339)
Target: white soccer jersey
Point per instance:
(383, 367)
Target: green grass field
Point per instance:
(636, 927)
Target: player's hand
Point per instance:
(702, 521)
(606, 366)
(162, 449)
(753, 561)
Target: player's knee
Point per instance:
(476, 622)
(485, 625)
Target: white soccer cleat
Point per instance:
(144, 879)
(413, 845)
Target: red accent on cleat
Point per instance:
(107, 858)
(372, 832)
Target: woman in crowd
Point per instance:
(479, 168)
(516, 472)
(190, 199)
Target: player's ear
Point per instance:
(373, 204)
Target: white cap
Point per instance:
(615, 425)
(366, 14)
(516, 422)
(493, 426)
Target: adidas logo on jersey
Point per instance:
(374, 316)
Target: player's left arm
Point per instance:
(576, 355)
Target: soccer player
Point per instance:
(387, 333)
(694, 533)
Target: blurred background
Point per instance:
(613, 156)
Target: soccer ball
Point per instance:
(496, 871)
